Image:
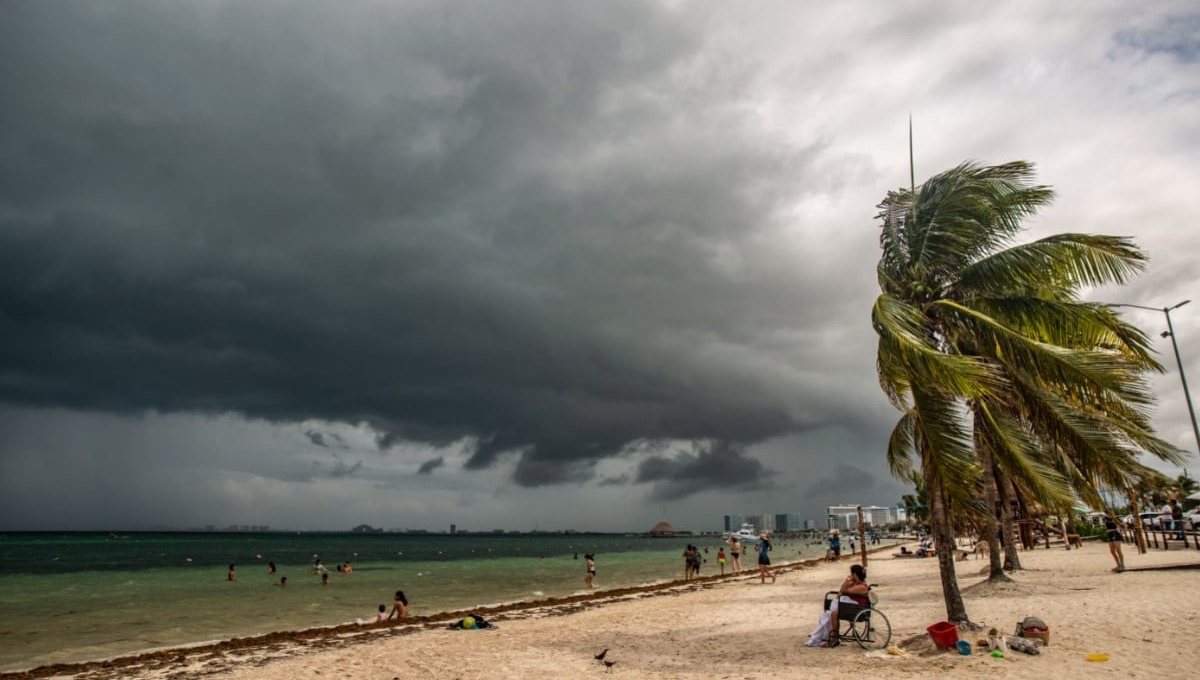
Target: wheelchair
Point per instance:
(866, 625)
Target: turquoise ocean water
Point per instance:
(68, 597)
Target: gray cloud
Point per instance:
(430, 465)
(710, 465)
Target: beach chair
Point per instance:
(866, 625)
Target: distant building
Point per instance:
(733, 522)
(789, 521)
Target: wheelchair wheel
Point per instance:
(871, 629)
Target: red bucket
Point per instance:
(944, 634)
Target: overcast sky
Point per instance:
(523, 264)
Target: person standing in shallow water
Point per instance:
(232, 576)
(591, 570)
(735, 552)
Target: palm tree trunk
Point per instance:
(990, 527)
(943, 535)
(1012, 562)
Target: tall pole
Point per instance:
(1182, 376)
(912, 168)
(862, 537)
(1187, 395)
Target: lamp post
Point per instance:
(1179, 362)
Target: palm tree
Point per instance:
(998, 368)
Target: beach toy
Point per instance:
(964, 648)
(944, 634)
(1097, 657)
(997, 654)
(468, 622)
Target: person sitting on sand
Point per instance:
(382, 615)
(853, 590)
(399, 606)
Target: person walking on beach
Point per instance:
(1176, 518)
(591, 570)
(399, 606)
(764, 559)
(721, 559)
(1112, 534)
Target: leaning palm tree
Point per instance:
(994, 362)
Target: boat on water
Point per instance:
(746, 534)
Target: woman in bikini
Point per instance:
(399, 606)
(735, 553)
(591, 570)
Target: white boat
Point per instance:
(748, 535)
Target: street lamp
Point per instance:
(1179, 362)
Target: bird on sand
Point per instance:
(610, 664)
(600, 656)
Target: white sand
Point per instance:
(1146, 621)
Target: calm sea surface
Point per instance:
(81, 596)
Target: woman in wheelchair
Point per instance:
(853, 590)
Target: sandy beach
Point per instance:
(1144, 620)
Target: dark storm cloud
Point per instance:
(710, 465)
(619, 480)
(430, 465)
(340, 469)
(531, 225)
(835, 477)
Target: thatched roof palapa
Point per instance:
(662, 529)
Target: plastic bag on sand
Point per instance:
(1023, 645)
(892, 652)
